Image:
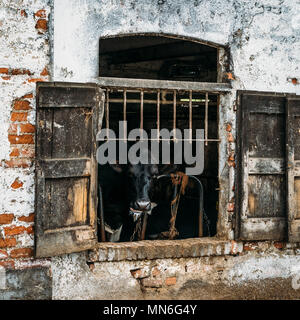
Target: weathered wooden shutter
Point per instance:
(261, 179)
(293, 167)
(66, 168)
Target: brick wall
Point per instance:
(24, 60)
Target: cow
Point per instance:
(130, 190)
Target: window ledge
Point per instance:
(163, 249)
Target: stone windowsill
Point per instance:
(163, 249)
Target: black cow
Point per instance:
(128, 190)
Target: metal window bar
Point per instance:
(206, 119)
(107, 113)
(124, 110)
(142, 113)
(190, 114)
(160, 100)
(174, 114)
(158, 113)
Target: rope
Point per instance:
(179, 179)
(138, 228)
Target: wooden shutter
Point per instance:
(293, 167)
(261, 180)
(67, 117)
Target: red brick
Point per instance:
(27, 96)
(4, 70)
(35, 80)
(28, 151)
(27, 128)
(170, 281)
(231, 163)
(30, 230)
(22, 139)
(152, 283)
(3, 254)
(13, 231)
(136, 273)
(7, 264)
(45, 72)
(6, 78)
(18, 116)
(6, 218)
(22, 105)
(21, 253)
(18, 163)
(17, 184)
(230, 207)
(15, 152)
(231, 157)
(13, 128)
(230, 76)
(228, 127)
(16, 72)
(24, 13)
(248, 247)
(230, 137)
(41, 25)
(279, 245)
(29, 218)
(139, 273)
(155, 272)
(7, 243)
(41, 13)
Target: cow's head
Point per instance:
(140, 184)
(141, 181)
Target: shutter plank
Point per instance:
(66, 170)
(261, 182)
(61, 168)
(293, 168)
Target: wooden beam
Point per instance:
(211, 87)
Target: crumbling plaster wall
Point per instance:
(38, 37)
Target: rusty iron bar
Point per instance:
(174, 114)
(206, 118)
(124, 111)
(107, 112)
(158, 113)
(190, 115)
(142, 112)
(149, 101)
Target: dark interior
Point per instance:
(123, 57)
(157, 57)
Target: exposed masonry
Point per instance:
(61, 38)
